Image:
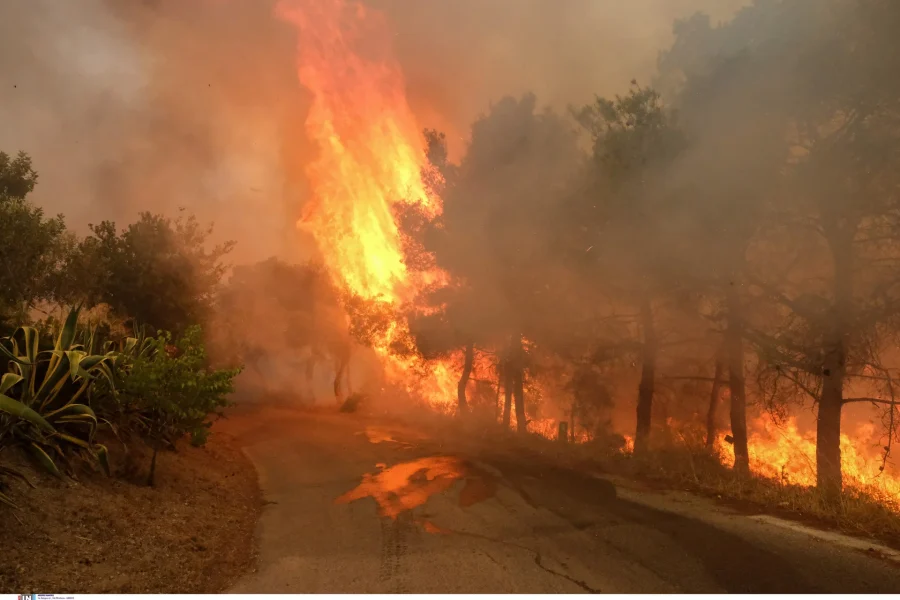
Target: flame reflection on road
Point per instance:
(408, 485)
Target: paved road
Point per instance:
(356, 507)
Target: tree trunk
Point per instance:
(463, 405)
(734, 350)
(573, 423)
(829, 479)
(497, 398)
(519, 393)
(339, 373)
(648, 380)
(828, 431)
(508, 394)
(714, 403)
(516, 367)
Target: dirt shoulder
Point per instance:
(192, 533)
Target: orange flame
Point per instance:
(371, 160)
(784, 453)
(371, 151)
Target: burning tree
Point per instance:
(815, 195)
(493, 241)
(724, 196)
(635, 140)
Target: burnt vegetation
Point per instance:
(724, 240)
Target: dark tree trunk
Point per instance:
(516, 367)
(648, 380)
(463, 405)
(829, 479)
(519, 393)
(714, 403)
(339, 373)
(497, 397)
(507, 394)
(572, 434)
(734, 350)
(828, 431)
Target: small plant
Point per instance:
(46, 395)
(170, 391)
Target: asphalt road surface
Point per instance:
(357, 507)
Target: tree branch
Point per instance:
(867, 399)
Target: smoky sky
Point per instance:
(139, 105)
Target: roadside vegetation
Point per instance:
(867, 510)
(78, 369)
(103, 368)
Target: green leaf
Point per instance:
(8, 380)
(73, 440)
(54, 379)
(70, 328)
(32, 340)
(17, 409)
(73, 409)
(103, 457)
(44, 460)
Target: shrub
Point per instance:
(168, 391)
(45, 396)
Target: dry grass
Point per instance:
(860, 511)
(192, 533)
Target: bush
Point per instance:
(168, 391)
(45, 396)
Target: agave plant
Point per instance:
(48, 394)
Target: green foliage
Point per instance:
(32, 247)
(45, 396)
(170, 389)
(157, 271)
(17, 177)
(633, 135)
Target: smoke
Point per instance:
(153, 106)
(161, 104)
(460, 56)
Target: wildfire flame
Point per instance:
(371, 156)
(371, 160)
(783, 453)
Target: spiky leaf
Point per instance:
(44, 459)
(16, 408)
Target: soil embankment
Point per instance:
(191, 533)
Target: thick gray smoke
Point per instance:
(155, 105)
